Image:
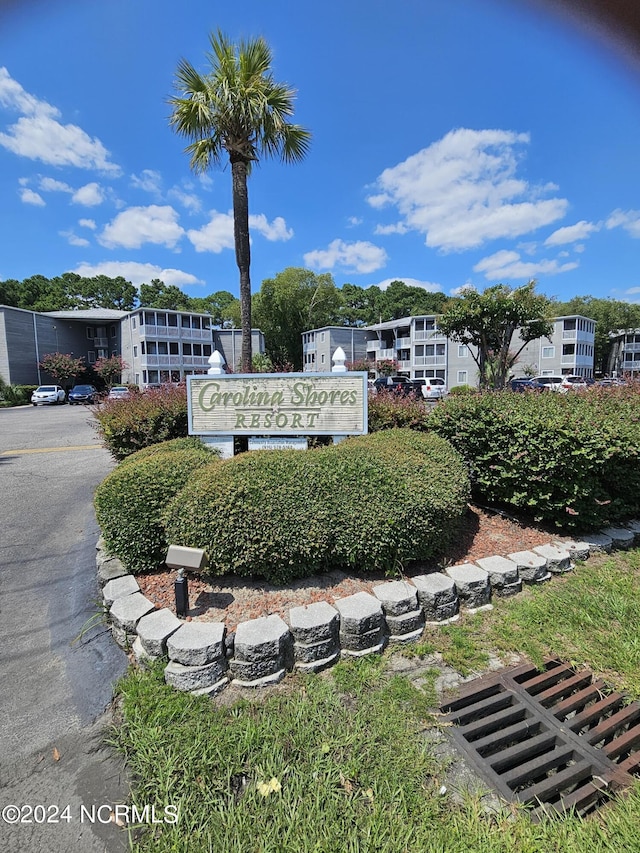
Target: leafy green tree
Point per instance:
(10, 292)
(487, 323)
(104, 292)
(166, 297)
(361, 306)
(223, 307)
(403, 300)
(611, 316)
(110, 369)
(238, 110)
(289, 304)
(62, 366)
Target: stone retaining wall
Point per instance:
(203, 658)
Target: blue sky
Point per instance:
(454, 142)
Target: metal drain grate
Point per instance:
(556, 739)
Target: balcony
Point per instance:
(429, 335)
(430, 360)
(148, 331)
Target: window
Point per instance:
(133, 322)
(163, 348)
(197, 349)
(91, 333)
(135, 351)
(103, 353)
(173, 348)
(462, 377)
(112, 331)
(321, 337)
(91, 357)
(172, 320)
(186, 349)
(322, 359)
(150, 318)
(568, 349)
(548, 352)
(569, 325)
(206, 350)
(463, 351)
(185, 322)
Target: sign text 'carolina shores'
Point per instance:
(278, 403)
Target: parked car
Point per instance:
(397, 384)
(547, 383)
(522, 385)
(431, 388)
(574, 383)
(610, 383)
(82, 394)
(119, 392)
(52, 394)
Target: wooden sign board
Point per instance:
(278, 404)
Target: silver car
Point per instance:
(52, 394)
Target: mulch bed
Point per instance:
(232, 600)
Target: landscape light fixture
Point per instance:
(184, 559)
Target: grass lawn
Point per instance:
(343, 762)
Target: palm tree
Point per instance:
(237, 108)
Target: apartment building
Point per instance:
(157, 346)
(624, 355)
(318, 347)
(420, 349)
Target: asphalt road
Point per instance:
(56, 677)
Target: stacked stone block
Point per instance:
(362, 626)
(472, 585)
(438, 597)
(125, 613)
(262, 652)
(153, 631)
(621, 537)
(503, 575)
(197, 659)
(402, 613)
(315, 636)
(558, 559)
(532, 567)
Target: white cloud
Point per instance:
(148, 180)
(627, 219)
(464, 288)
(139, 225)
(188, 200)
(572, 233)
(89, 195)
(73, 239)
(396, 228)
(431, 286)
(505, 265)
(215, 236)
(353, 221)
(273, 231)
(30, 197)
(463, 190)
(359, 257)
(50, 185)
(632, 291)
(87, 223)
(38, 135)
(138, 273)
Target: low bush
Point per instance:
(389, 410)
(129, 501)
(375, 502)
(571, 459)
(15, 395)
(157, 415)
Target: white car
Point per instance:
(48, 394)
(576, 383)
(432, 388)
(119, 392)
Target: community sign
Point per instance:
(278, 404)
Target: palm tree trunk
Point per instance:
(243, 253)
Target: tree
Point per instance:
(222, 306)
(404, 300)
(289, 304)
(62, 366)
(237, 109)
(110, 369)
(166, 297)
(487, 322)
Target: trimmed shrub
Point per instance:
(189, 442)
(571, 459)
(370, 503)
(129, 501)
(157, 415)
(388, 410)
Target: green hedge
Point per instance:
(129, 501)
(154, 416)
(374, 502)
(571, 459)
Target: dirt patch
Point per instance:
(231, 599)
